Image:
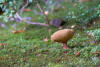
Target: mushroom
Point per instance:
(63, 36)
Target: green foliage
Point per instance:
(95, 33)
(10, 7)
(98, 11)
(8, 10)
(55, 65)
(82, 14)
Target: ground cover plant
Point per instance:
(28, 45)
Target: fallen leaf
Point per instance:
(46, 40)
(1, 58)
(3, 44)
(27, 10)
(58, 60)
(18, 31)
(26, 33)
(77, 54)
(46, 52)
(97, 52)
(65, 52)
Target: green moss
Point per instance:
(31, 51)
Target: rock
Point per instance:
(57, 22)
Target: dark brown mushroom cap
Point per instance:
(62, 35)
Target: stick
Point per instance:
(42, 11)
(29, 22)
(22, 9)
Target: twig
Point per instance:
(22, 9)
(29, 22)
(19, 17)
(2, 24)
(36, 23)
(42, 11)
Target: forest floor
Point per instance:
(28, 49)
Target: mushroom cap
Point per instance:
(62, 36)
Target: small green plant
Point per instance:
(95, 33)
(98, 11)
(84, 15)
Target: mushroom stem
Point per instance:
(65, 46)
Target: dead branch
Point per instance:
(42, 11)
(17, 16)
(23, 7)
(2, 24)
(36, 23)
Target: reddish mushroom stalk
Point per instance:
(65, 46)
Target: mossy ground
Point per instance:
(29, 50)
